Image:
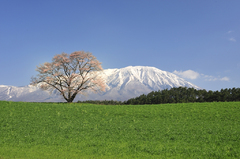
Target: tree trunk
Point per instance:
(70, 100)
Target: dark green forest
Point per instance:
(178, 95)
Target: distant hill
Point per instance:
(122, 84)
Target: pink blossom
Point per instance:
(70, 74)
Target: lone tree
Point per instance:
(70, 74)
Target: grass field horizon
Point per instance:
(76, 130)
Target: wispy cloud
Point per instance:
(211, 78)
(232, 39)
(190, 74)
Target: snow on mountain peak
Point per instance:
(122, 84)
(147, 75)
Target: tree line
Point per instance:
(178, 95)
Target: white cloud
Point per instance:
(190, 74)
(232, 39)
(230, 31)
(224, 79)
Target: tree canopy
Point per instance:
(70, 74)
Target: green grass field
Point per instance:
(190, 130)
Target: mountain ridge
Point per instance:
(121, 84)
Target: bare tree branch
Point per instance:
(70, 74)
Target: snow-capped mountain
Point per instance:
(122, 84)
(27, 93)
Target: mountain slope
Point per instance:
(132, 81)
(122, 84)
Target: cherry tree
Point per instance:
(70, 74)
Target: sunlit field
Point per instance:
(186, 130)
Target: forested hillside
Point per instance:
(185, 95)
(179, 95)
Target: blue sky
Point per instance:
(198, 40)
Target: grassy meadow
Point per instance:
(53, 130)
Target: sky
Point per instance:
(197, 40)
